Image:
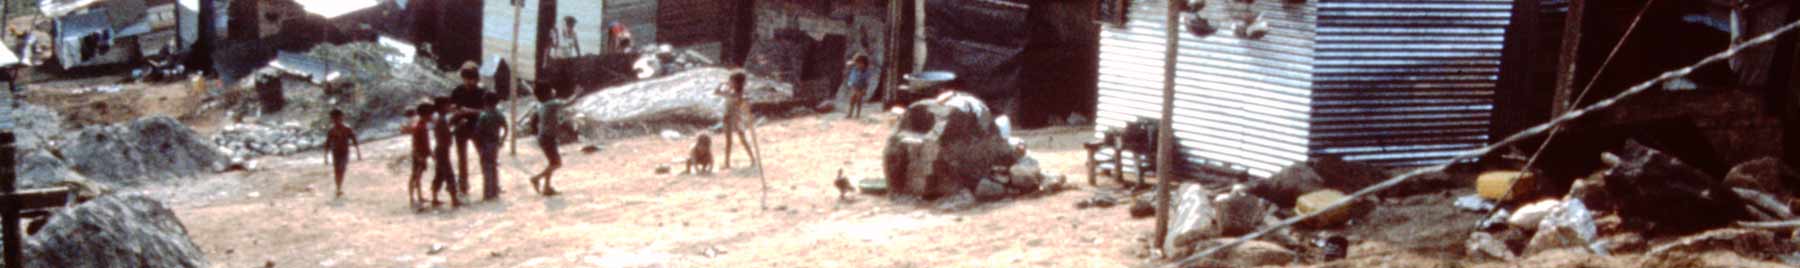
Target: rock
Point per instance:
(1053, 183)
(1766, 206)
(990, 190)
(1141, 210)
(1591, 191)
(683, 99)
(669, 134)
(956, 202)
(1766, 174)
(1485, 245)
(1650, 186)
(1528, 216)
(1101, 200)
(152, 148)
(1239, 213)
(1025, 174)
(1473, 203)
(1623, 242)
(662, 169)
(1252, 253)
(1568, 225)
(1318, 200)
(1333, 247)
(1504, 185)
(1288, 184)
(872, 186)
(937, 150)
(114, 231)
(1194, 217)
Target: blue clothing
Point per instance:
(858, 80)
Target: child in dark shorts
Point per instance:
(549, 116)
(445, 177)
(339, 140)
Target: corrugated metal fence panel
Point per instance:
(1240, 103)
(1405, 82)
(639, 15)
(688, 22)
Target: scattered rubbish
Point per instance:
(1658, 189)
(1473, 203)
(1485, 245)
(1530, 215)
(1569, 225)
(1316, 201)
(1504, 185)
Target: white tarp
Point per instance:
(334, 8)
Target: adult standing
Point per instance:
(468, 99)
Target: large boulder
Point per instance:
(114, 231)
(1193, 219)
(938, 150)
(1650, 186)
(152, 148)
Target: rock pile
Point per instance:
(114, 231)
(938, 150)
(244, 141)
(151, 148)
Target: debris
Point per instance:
(122, 230)
(1239, 213)
(1494, 220)
(1099, 200)
(1504, 185)
(1657, 188)
(1485, 245)
(436, 248)
(669, 134)
(1568, 225)
(662, 169)
(1473, 203)
(1142, 209)
(1765, 205)
(1528, 216)
(1250, 254)
(1766, 174)
(1312, 202)
(1288, 184)
(152, 148)
(1193, 218)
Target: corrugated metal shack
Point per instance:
(1392, 83)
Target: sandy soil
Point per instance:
(615, 212)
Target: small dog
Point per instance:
(843, 184)
(701, 154)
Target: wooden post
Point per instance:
(1565, 66)
(513, 91)
(1164, 143)
(9, 211)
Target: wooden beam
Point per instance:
(34, 199)
(1164, 135)
(13, 239)
(1570, 56)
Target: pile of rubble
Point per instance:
(940, 151)
(151, 148)
(685, 99)
(372, 86)
(1642, 203)
(114, 231)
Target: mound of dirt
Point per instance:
(373, 93)
(36, 128)
(682, 99)
(114, 231)
(151, 148)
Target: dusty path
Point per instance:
(615, 212)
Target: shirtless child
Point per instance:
(339, 140)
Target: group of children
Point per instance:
(444, 124)
(469, 114)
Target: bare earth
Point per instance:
(615, 212)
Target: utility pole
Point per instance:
(513, 91)
(1165, 143)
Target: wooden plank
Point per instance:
(37, 198)
(1565, 66)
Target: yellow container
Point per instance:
(1494, 185)
(1316, 200)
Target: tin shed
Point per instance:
(1396, 83)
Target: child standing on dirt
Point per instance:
(490, 131)
(420, 129)
(445, 177)
(736, 117)
(549, 116)
(339, 140)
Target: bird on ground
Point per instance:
(843, 184)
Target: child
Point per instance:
(445, 177)
(857, 83)
(420, 129)
(549, 116)
(339, 140)
(490, 131)
(736, 118)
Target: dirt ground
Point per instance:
(615, 212)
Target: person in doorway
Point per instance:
(857, 82)
(567, 43)
(490, 132)
(737, 117)
(339, 140)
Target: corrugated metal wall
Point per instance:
(1238, 101)
(1395, 83)
(1406, 83)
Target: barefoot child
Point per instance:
(490, 131)
(445, 177)
(339, 140)
(420, 129)
(549, 116)
(736, 117)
